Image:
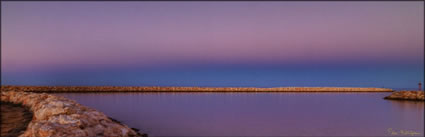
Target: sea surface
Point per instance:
(260, 114)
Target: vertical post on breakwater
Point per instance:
(420, 86)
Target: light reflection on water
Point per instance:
(258, 114)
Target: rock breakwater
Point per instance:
(407, 95)
(187, 89)
(14, 119)
(59, 116)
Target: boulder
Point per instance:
(59, 116)
(407, 95)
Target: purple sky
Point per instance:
(55, 35)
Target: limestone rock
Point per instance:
(59, 116)
(407, 95)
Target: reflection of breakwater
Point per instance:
(405, 105)
(187, 89)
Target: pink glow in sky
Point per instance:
(49, 34)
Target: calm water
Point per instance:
(258, 114)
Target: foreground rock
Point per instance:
(14, 119)
(407, 95)
(188, 89)
(58, 116)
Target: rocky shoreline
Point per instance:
(59, 116)
(81, 89)
(14, 119)
(407, 95)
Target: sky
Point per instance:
(249, 44)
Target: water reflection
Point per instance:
(408, 105)
(258, 114)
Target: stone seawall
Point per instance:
(407, 95)
(188, 89)
(58, 116)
